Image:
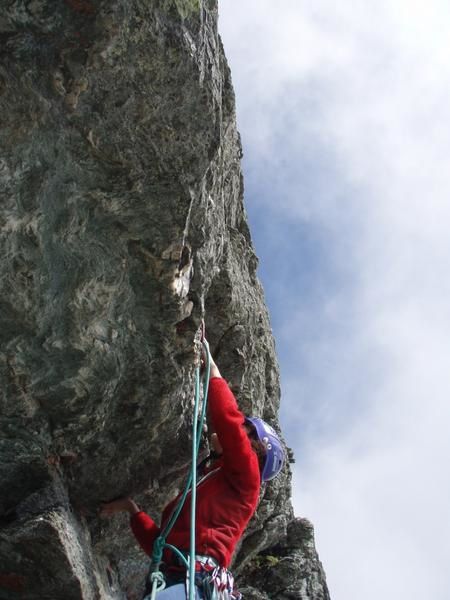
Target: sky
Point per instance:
(344, 113)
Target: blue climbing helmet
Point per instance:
(274, 458)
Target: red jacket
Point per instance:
(225, 501)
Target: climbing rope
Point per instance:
(159, 583)
(157, 578)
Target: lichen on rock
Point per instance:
(122, 225)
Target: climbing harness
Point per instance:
(215, 582)
(218, 584)
(157, 577)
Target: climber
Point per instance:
(245, 452)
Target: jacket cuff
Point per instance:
(133, 517)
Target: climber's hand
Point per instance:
(107, 509)
(214, 371)
(204, 357)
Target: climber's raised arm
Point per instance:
(239, 459)
(244, 441)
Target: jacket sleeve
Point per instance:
(239, 459)
(145, 531)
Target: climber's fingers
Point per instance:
(204, 357)
(107, 509)
(206, 351)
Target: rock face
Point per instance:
(122, 226)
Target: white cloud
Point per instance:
(344, 114)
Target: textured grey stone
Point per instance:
(289, 570)
(121, 226)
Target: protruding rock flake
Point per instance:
(122, 226)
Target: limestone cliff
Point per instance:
(122, 225)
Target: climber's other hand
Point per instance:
(126, 504)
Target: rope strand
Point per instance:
(191, 484)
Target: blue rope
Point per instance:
(179, 554)
(197, 428)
